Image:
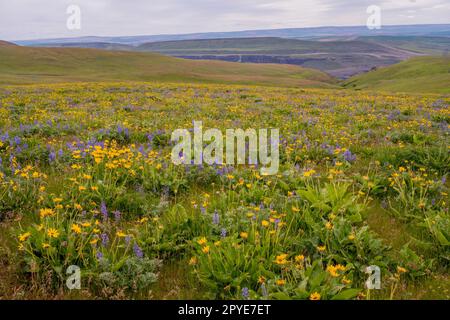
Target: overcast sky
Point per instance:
(32, 19)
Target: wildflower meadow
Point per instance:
(87, 183)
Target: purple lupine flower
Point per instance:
(348, 156)
(117, 215)
(223, 232)
(444, 179)
(138, 251)
(17, 140)
(394, 115)
(203, 210)
(277, 221)
(216, 218)
(52, 157)
(104, 211)
(99, 256)
(4, 137)
(127, 239)
(105, 239)
(245, 293)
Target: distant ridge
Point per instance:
(6, 43)
(300, 33)
(92, 45)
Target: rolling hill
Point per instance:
(340, 58)
(342, 52)
(6, 43)
(26, 65)
(417, 75)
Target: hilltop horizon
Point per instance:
(438, 29)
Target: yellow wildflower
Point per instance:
(23, 237)
(281, 259)
(315, 296)
(121, 234)
(193, 261)
(205, 249)
(53, 233)
(281, 282)
(46, 213)
(401, 270)
(76, 228)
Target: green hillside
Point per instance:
(26, 65)
(421, 74)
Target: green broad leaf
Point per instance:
(322, 206)
(317, 279)
(346, 294)
(280, 296)
(442, 239)
(355, 218)
(301, 294)
(308, 195)
(283, 185)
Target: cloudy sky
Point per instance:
(32, 19)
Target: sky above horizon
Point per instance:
(39, 19)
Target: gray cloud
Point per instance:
(27, 19)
